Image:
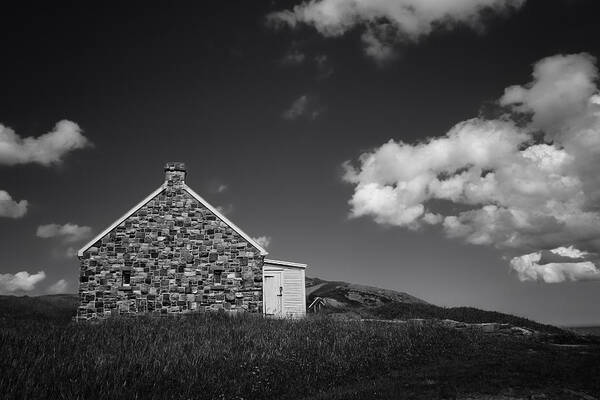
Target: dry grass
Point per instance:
(249, 357)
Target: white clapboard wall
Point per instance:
(284, 289)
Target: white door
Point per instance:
(272, 293)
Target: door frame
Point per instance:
(273, 273)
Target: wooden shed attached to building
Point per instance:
(175, 253)
(284, 289)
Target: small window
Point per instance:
(126, 277)
(217, 277)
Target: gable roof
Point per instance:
(223, 218)
(155, 193)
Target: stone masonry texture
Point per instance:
(178, 257)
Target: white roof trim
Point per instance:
(223, 218)
(123, 218)
(195, 195)
(284, 263)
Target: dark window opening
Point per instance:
(217, 276)
(126, 277)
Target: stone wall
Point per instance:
(179, 258)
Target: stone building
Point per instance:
(175, 253)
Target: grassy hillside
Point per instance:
(365, 295)
(44, 355)
(249, 357)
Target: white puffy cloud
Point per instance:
(494, 182)
(20, 282)
(10, 208)
(432, 218)
(559, 93)
(47, 149)
(564, 103)
(60, 286)
(529, 267)
(264, 241)
(69, 232)
(570, 252)
(303, 107)
(385, 23)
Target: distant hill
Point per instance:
(58, 308)
(586, 330)
(350, 301)
(366, 296)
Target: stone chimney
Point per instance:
(174, 174)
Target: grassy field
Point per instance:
(214, 356)
(463, 314)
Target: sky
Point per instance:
(447, 149)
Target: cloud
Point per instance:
(71, 252)
(264, 241)
(217, 187)
(47, 149)
(221, 188)
(378, 43)
(559, 93)
(20, 282)
(432, 218)
(529, 267)
(570, 252)
(303, 107)
(324, 67)
(293, 57)
(386, 23)
(495, 182)
(225, 209)
(69, 232)
(60, 286)
(10, 208)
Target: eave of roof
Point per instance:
(284, 263)
(155, 193)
